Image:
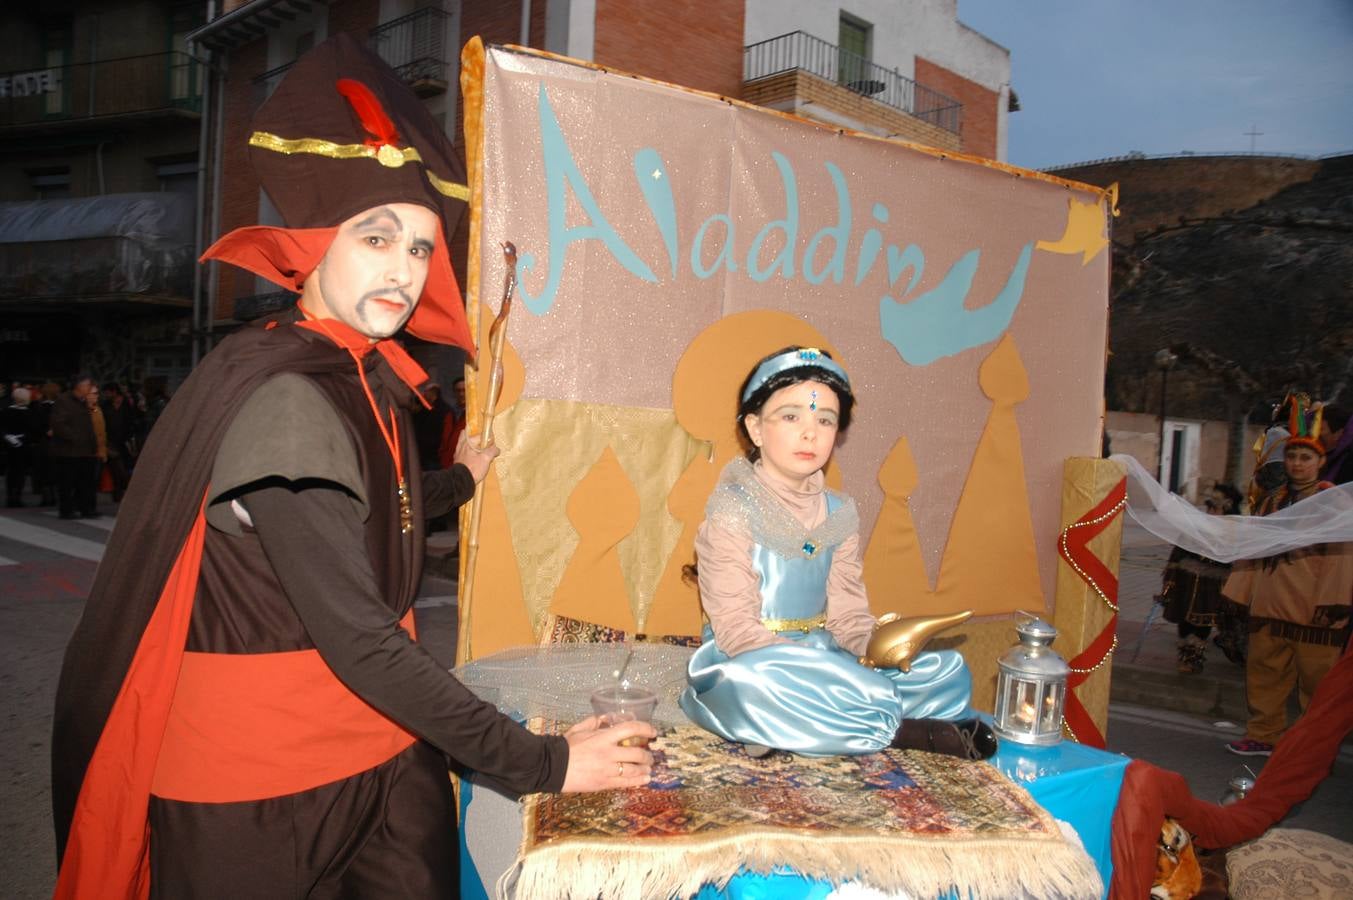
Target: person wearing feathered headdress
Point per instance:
(1298, 601)
(244, 710)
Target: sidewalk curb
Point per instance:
(1200, 695)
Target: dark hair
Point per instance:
(783, 379)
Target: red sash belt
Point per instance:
(253, 726)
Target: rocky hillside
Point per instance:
(1252, 301)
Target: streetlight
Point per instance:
(1165, 361)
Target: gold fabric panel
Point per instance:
(548, 448)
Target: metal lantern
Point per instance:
(1031, 687)
(1238, 787)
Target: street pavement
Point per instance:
(1178, 722)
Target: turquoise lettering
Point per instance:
(561, 173)
(871, 244)
(657, 189)
(910, 258)
(725, 252)
(784, 260)
(838, 233)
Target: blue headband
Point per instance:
(792, 359)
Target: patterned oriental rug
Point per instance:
(896, 821)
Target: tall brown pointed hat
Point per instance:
(342, 134)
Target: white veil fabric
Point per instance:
(1326, 517)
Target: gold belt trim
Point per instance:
(386, 155)
(804, 625)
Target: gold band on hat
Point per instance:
(387, 155)
(448, 188)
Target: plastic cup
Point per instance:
(617, 703)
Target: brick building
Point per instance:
(907, 70)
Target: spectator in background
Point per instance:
(74, 450)
(100, 436)
(156, 399)
(16, 443)
(455, 422)
(119, 420)
(1298, 601)
(1269, 471)
(1191, 592)
(44, 472)
(1337, 440)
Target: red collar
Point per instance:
(359, 345)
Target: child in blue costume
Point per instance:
(779, 568)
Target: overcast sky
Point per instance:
(1101, 78)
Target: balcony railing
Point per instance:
(800, 51)
(415, 46)
(134, 85)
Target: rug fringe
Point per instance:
(996, 868)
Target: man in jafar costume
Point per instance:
(243, 710)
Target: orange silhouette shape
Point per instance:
(1084, 234)
(704, 398)
(604, 508)
(494, 615)
(894, 572)
(992, 522)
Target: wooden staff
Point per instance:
(497, 340)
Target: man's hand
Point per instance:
(471, 457)
(597, 762)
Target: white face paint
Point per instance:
(796, 431)
(373, 274)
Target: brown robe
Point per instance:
(311, 572)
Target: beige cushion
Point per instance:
(1291, 863)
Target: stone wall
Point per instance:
(1156, 192)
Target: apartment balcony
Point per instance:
(416, 47)
(115, 91)
(125, 250)
(799, 73)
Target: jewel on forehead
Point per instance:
(813, 402)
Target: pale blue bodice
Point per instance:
(794, 587)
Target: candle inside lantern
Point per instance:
(1031, 687)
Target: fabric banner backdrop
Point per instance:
(666, 240)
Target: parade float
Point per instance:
(661, 240)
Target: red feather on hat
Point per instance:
(370, 111)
